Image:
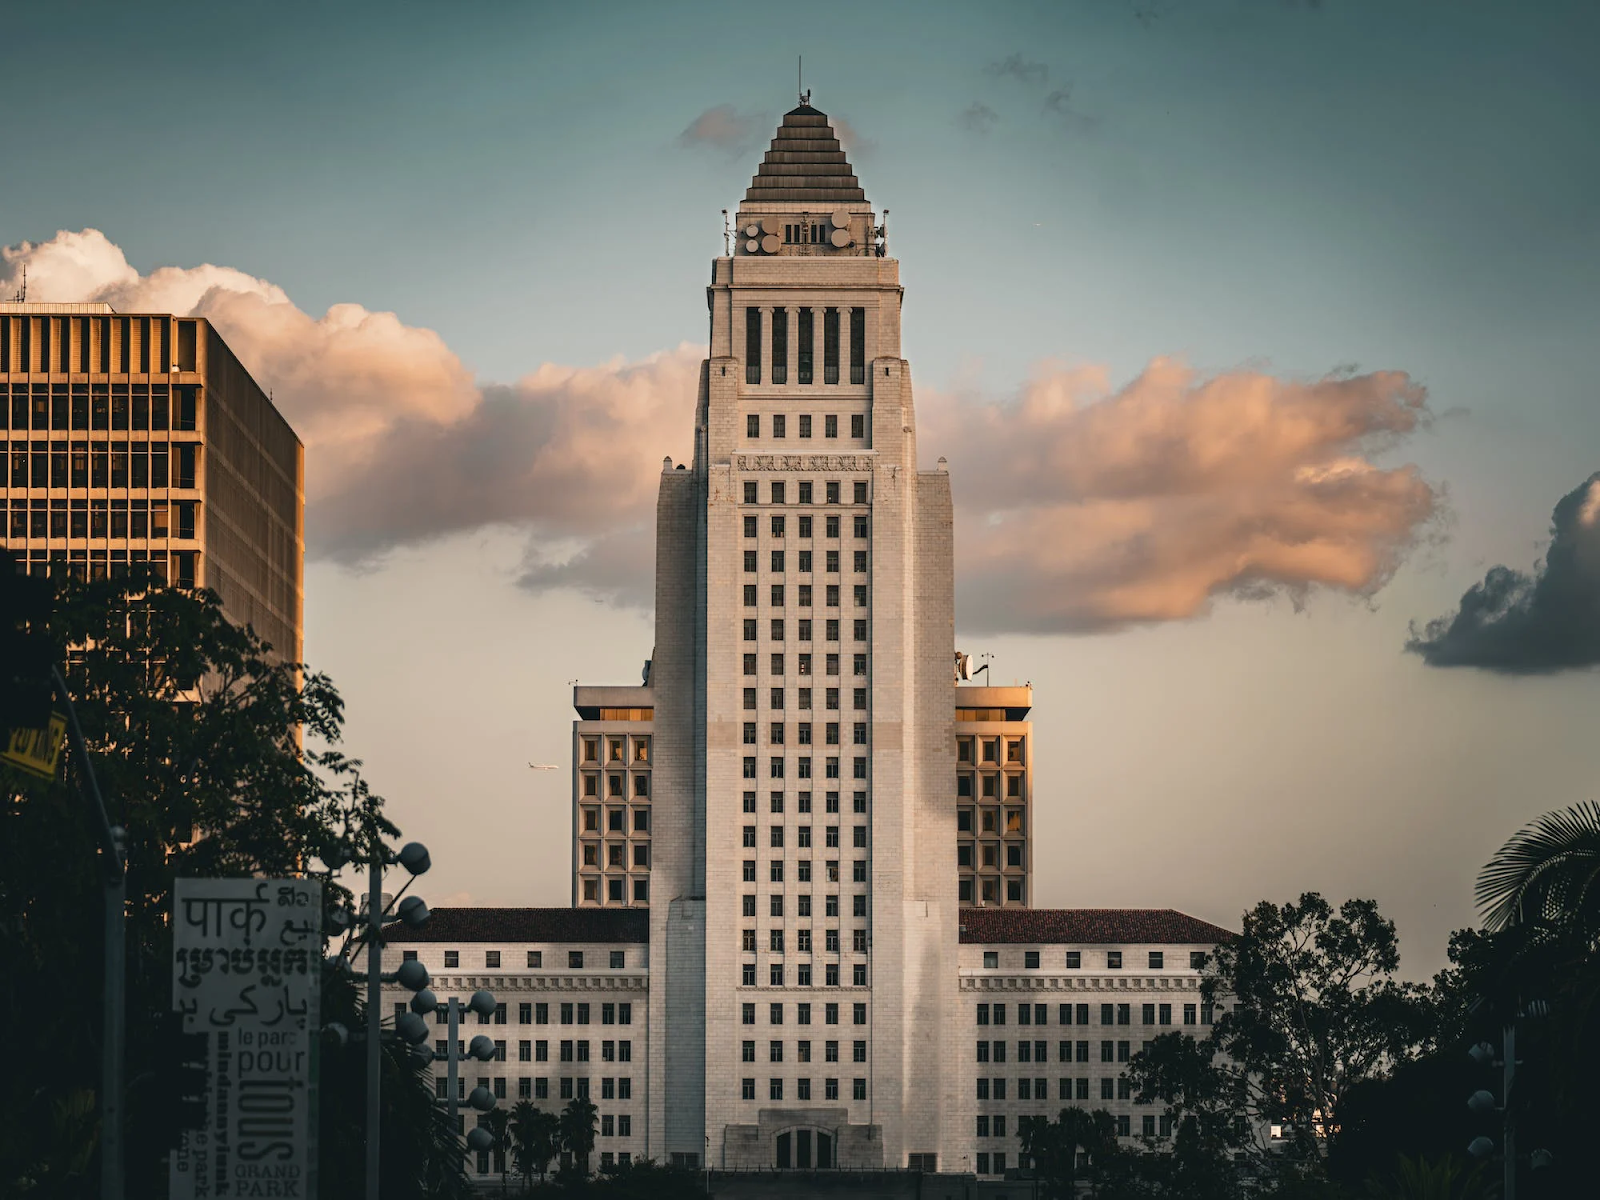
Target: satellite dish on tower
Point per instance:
(752, 246)
(752, 230)
(840, 219)
(840, 238)
(771, 243)
(771, 225)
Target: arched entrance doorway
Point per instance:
(803, 1149)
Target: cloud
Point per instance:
(851, 139)
(1081, 509)
(1020, 69)
(726, 129)
(402, 443)
(979, 118)
(1530, 623)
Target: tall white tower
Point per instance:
(803, 913)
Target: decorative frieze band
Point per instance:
(803, 462)
(542, 983)
(1077, 983)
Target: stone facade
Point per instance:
(818, 841)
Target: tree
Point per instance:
(1548, 873)
(1315, 1009)
(577, 1125)
(535, 1136)
(1053, 1146)
(219, 759)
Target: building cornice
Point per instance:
(1079, 983)
(629, 982)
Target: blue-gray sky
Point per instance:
(1403, 185)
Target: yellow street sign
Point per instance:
(37, 750)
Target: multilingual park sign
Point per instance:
(247, 957)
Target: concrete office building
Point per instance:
(139, 438)
(809, 846)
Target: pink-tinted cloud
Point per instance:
(1080, 507)
(1083, 508)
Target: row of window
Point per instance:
(614, 749)
(1066, 1051)
(776, 768)
(1079, 1088)
(777, 523)
(776, 732)
(617, 961)
(803, 976)
(805, 343)
(56, 518)
(991, 749)
(89, 407)
(81, 564)
(858, 906)
(803, 939)
(803, 802)
(616, 854)
(802, 1089)
(802, 1013)
(830, 833)
(989, 854)
(1074, 960)
(990, 890)
(804, 564)
(101, 464)
(806, 493)
(802, 698)
(804, 590)
(1110, 1014)
(804, 629)
(616, 819)
(830, 869)
(802, 1048)
(537, 1087)
(617, 890)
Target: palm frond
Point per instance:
(1547, 871)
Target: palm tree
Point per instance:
(497, 1121)
(577, 1124)
(534, 1139)
(1547, 873)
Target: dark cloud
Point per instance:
(977, 117)
(1016, 67)
(618, 567)
(726, 129)
(1530, 623)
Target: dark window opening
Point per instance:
(780, 345)
(830, 345)
(752, 345)
(807, 345)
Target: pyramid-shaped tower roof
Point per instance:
(806, 163)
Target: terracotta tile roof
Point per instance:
(529, 925)
(806, 162)
(1089, 926)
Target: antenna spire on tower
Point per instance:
(800, 79)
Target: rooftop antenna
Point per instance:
(799, 80)
(22, 293)
(727, 236)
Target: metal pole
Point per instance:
(450, 1054)
(115, 1030)
(1509, 1049)
(114, 854)
(374, 1010)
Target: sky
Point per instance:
(1261, 328)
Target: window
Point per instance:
(1197, 960)
(778, 426)
(1030, 960)
(750, 491)
(452, 958)
(1157, 958)
(1074, 960)
(805, 491)
(752, 426)
(1188, 1014)
(618, 958)
(807, 347)
(858, 425)
(747, 1014)
(575, 960)
(752, 345)
(1113, 960)
(830, 426)
(991, 960)
(747, 1089)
